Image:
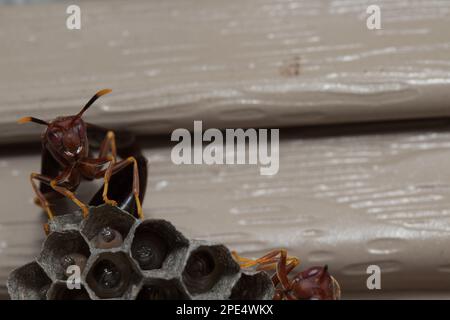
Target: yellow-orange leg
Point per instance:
(273, 265)
(115, 167)
(69, 194)
(108, 144)
(248, 263)
(239, 259)
(46, 229)
(289, 267)
(107, 177)
(282, 271)
(43, 201)
(275, 259)
(266, 262)
(54, 183)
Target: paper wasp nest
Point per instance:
(123, 258)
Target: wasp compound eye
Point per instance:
(108, 238)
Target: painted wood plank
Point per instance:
(231, 63)
(344, 196)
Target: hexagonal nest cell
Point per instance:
(28, 282)
(107, 227)
(208, 269)
(60, 291)
(161, 289)
(113, 275)
(252, 286)
(157, 244)
(120, 257)
(62, 249)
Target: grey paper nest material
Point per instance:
(124, 258)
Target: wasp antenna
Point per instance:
(32, 119)
(92, 100)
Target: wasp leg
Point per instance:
(56, 185)
(108, 144)
(280, 294)
(43, 201)
(266, 262)
(49, 196)
(291, 266)
(272, 264)
(116, 167)
(69, 194)
(46, 229)
(282, 271)
(284, 265)
(107, 177)
(250, 263)
(90, 166)
(239, 259)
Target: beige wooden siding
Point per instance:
(348, 196)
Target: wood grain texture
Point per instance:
(347, 200)
(231, 63)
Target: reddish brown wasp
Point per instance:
(67, 156)
(313, 283)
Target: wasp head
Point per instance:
(66, 137)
